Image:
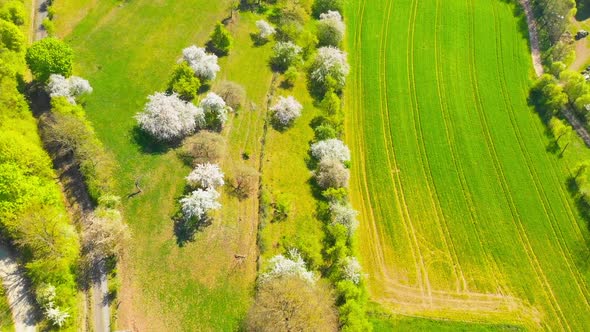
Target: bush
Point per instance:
(324, 132)
(49, 26)
(330, 29)
(69, 88)
(49, 56)
(221, 40)
(323, 6)
(11, 37)
(168, 118)
(13, 11)
(184, 82)
(204, 146)
(215, 110)
(291, 76)
(286, 110)
(232, 93)
(286, 54)
(331, 174)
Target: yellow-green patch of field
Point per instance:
(465, 215)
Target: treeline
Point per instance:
(309, 37)
(32, 212)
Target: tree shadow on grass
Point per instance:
(185, 230)
(582, 11)
(148, 144)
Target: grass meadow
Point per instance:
(127, 52)
(465, 214)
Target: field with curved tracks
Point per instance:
(464, 213)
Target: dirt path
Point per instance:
(22, 303)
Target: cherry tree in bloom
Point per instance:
(351, 269)
(198, 203)
(265, 29)
(202, 63)
(206, 176)
(215, 108)
(330, 62)
(331, 28)
(281, 266)
(344, 215)
(167, 117)
(70, 88)
(332, 148)
(286, 110)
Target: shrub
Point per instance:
(206, 176)
(291, 304)
(205, 146)
(324, 132)
(11, 37)
(215, 110)
(322, 6)
(184, 82)
(330, 29)
(265, 29)
(202, 63)
(245, 180)
(49, 56)
(291, 76)
(329, 70)
(198, 203)
(331, 174)
(168, 118)
(330, 149)
(286, 54)
(344, 215)
(286, 110)
(69, 88)
(232, 93)
(49, 26)
(221, 40)
(13, 11)
(292, 266)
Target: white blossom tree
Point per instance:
(330, 64)
(286, 110)
(351, 269)
(70, 88)
(344, 215)
(57, 316)
(206, 176)
(215, 109)
(331, 174)
(105, 234)
(330, 28)
(332, 148)
(198, 203)
(285, 55)
(292, 266)
(46, 296)
(167, 117)
(202, 63)
(265, 29)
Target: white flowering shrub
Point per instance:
(351, 269)
(70, 88)
(46, 295)
(330, 64)
(281, 266)
(330, 29)
(285, 55)
(215, 109)
(265, 30)
(198, 203)
(332, 148)
(202, 63)
(344, 215)
(286, 110)
(167, 117)
(206, 176)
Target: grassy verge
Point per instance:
(6, 323)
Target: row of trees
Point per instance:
(317, 52)
(32, 213)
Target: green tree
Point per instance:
(49, 56)
(11, 37)
(13, 11)
(184, 82)
(322, 6)
(221, 40)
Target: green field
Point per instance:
(465, 214)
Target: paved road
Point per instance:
(18, 293)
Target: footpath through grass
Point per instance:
(128, 52)
(464, 212)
